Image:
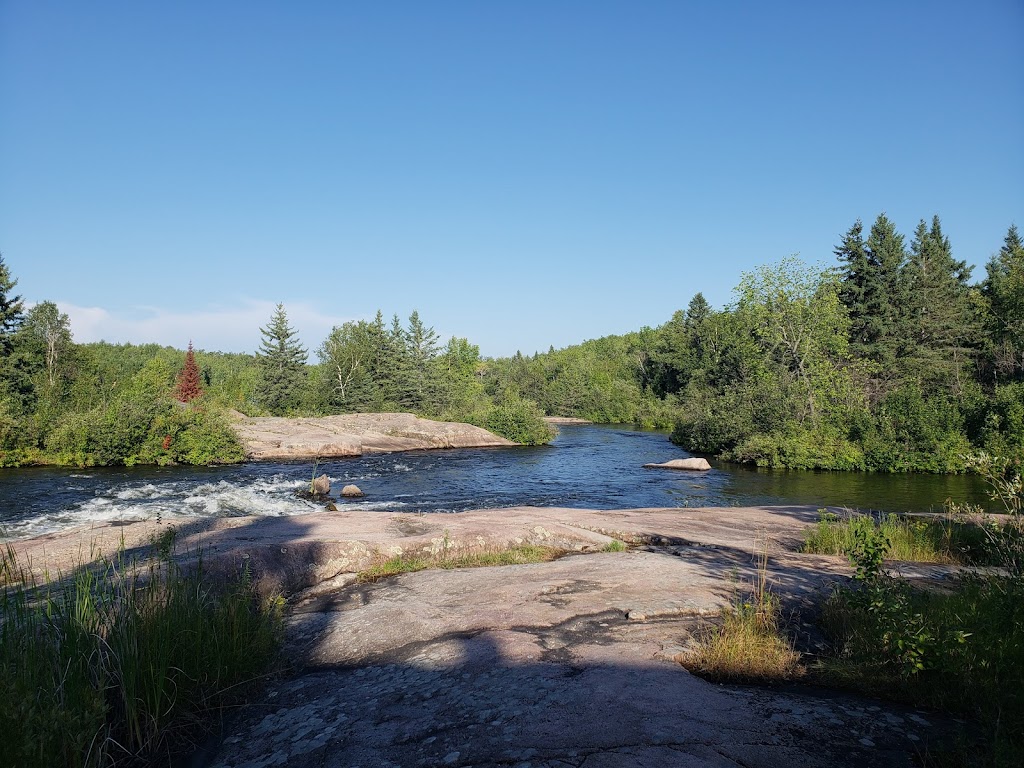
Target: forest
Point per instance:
(889, 359)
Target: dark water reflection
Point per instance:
(586, 466)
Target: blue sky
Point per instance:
(524, 174)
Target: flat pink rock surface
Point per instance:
(272, 437)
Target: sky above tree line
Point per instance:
(523, 174)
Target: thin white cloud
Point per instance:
(217, 328)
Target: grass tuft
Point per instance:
(407, 563)
(749, 646)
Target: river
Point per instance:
(587, 466)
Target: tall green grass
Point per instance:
(121, 663)
(929, 540)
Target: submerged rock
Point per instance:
(695, 463)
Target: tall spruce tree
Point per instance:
(872, 289)
(421, 382)
(385, 363)
(1003, 287)
(11, 309)
(939, 309)
(858, 273)
(282, 362)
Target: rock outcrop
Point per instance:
(694, 464)
(568, 662)
(275, 438)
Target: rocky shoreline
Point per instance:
(268, 438)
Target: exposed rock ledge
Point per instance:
(564, 663)
(271, 437)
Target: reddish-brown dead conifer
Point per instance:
(188, 387)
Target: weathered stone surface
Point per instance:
(571, 662)
(267, 437)
(695, 463)
(322, 485)
(351, 492)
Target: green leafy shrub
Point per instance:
(961, 650)
(798, 449)
(128, 432)
(193, 435)
(519, 420)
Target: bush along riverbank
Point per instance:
(891, 360)
(125, 664)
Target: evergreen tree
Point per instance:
(188, 386)
(421, 381)
(858, 273)
(385, 363)
(940, 326)
(282, 362)
(1004, 289)
(880, 316)
(11, 307)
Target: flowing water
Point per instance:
(588, 466)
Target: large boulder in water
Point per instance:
(695, 463)
(352, 492)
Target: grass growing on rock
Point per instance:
(749, 646)
(409, 563)
(121, 663)
(930, 540)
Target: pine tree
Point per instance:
(282, 362)
(11, 309)
(384, 364)
(858, 275)
(188, 386)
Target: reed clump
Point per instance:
(122, 663)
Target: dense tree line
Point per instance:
(100, 403)
(892, 360)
